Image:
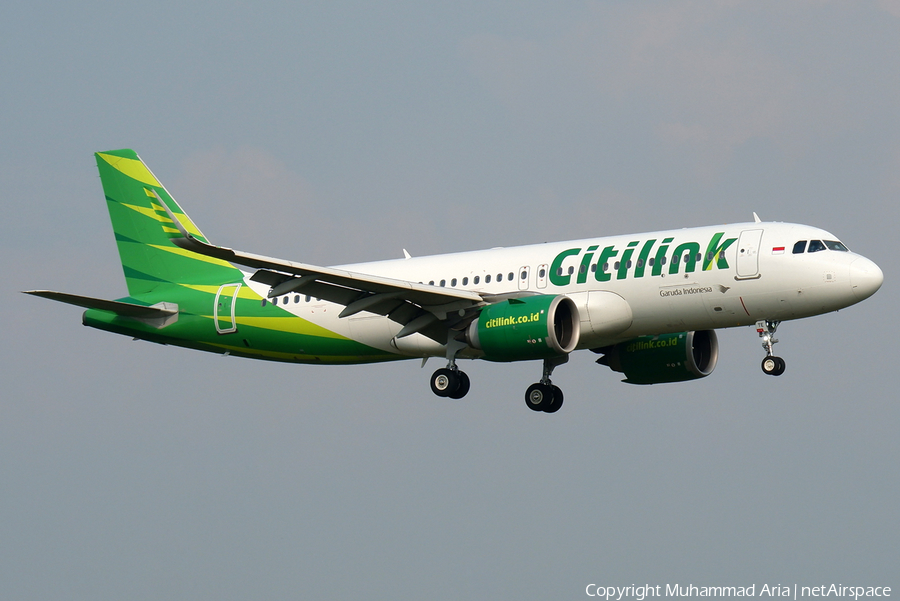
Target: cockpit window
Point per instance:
(815, 246)
(800, 247)
(835, 245)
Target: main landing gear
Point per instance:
(450, 382)
(771, 365)
(543, 395)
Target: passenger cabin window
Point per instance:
(799, 247)
(815, 246)
(476, 280)
(487, 279)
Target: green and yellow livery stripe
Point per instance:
(192, 255)
(130, 167)
(141, 211)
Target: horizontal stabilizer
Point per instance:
(159, 315)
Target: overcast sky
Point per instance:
(345, 131)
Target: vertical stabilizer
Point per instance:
(143, 229)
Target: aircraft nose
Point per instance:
(865, 278)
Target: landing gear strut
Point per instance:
(543, 395)
(771, 365)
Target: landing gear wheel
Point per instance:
(539, 397)
(462, 387)
(444, 382)
(773, 366)
(557, 401)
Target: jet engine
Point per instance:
(664, 358)
(533, 327)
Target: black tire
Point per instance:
(556, 402)
(773, 366)
(538, 397)
(779, 369)
(444, 382)
(462, 388)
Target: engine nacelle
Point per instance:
(664, 358)
(533, 327)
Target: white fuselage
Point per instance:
(627, 286)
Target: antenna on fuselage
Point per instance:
(756, 218)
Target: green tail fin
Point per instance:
(144, 230)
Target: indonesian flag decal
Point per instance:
(778, 250)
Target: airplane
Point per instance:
(648, 303)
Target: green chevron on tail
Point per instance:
(180, 297)
(143, 229)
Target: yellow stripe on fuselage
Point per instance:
(289, 324)
(245, 292)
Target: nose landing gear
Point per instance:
(771, 365)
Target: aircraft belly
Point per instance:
(380, 332)
(727, 311)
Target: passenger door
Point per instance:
(748, 254)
